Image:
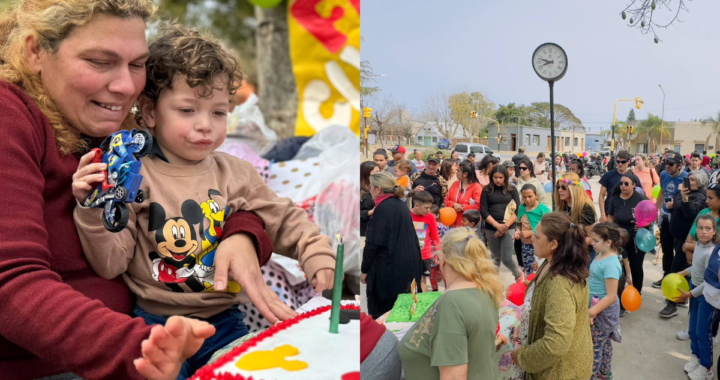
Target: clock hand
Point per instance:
(548, 63)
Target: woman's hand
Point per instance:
(236, 256)
(371, 212)
(87, 175)
(363, 278)
(628, 281)
(498, 234)
(669, 205)
(457, 207)
(503, 229)
(513, 355)
(685, 194)
(167, 348)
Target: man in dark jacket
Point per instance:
(519, 156)
(686, 205)
(430, 180)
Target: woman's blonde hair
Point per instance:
(49, 22)
(469, 257)
(387, 183)
(578, 196)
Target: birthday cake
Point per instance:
(301, 348)
(402, 310)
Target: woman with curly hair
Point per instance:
(70, 73)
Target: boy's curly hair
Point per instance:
(181, 52)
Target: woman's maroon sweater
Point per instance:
(56, 314)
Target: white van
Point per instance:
(480, 150)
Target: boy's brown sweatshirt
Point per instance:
(166, 252)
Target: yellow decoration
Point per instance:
(261, 360)
(325, 53)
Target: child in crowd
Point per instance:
(402, 171)
(605, 271)
(701, 312)
(435, 272)
(426, 229)
(529, 215)
(166, 254)
(471, 218)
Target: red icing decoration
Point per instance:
(351, 376)
(208, 372)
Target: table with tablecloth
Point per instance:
(509, 320)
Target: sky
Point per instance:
(423, 46)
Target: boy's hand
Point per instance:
(87, 175)
(323, 279)
(683, 295)
(516, 235)
(167, 348)
(236, 255)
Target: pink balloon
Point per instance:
(687, 156)
(584, 154)
(645, 213)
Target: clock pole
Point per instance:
(552, 139)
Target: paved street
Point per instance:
(649, 348)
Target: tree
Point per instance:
(641, 14)
(462, 105)
(510, 114)
(381, 119)
(367, 77)
(539, 113)
(715, 123)
(621, 135)
(631, 117)
(436, 109)
(651, 129)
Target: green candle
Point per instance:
(337, 288)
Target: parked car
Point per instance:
(480, 150)
(444, 144)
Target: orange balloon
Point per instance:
(448, 215)
(631, 299)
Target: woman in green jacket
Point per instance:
(558, 341)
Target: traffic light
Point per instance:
(366, 131)
(631, 129)
(638, 103)
(473, 114)
(367, 112)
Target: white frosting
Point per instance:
(328, 356)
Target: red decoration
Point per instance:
(323, 29)
(208, 372)
(351, 376)
(530, 277)
(516, 293)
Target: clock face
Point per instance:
(549, 61)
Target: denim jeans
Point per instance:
(700, 330)
(229, 326)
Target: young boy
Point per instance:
(166, 254)
(435, 272)
(427, 232)
(529, 215)
(471, 218)
(402, 171)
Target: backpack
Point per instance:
(715, 162)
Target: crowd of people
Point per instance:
(581, 261)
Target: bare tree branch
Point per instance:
(641, 14)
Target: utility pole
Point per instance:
(662, 120)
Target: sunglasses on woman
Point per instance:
(626, 184)
(522, 168)
(562, 187)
